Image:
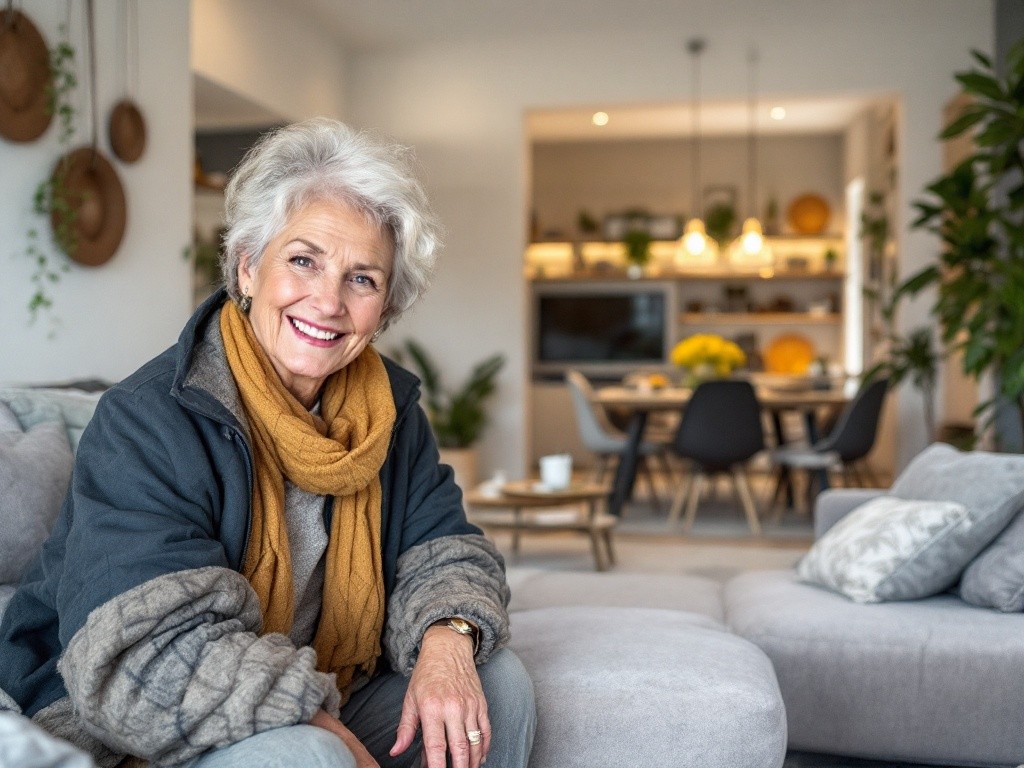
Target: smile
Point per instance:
(315, 333)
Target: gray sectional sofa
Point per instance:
(713, 675)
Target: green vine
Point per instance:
(50, 198)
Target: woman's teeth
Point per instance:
(316, 333)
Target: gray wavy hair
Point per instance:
(324, 159)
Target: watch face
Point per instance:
(461, 626)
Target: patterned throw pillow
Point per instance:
(876, 546)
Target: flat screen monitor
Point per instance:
(626, 327)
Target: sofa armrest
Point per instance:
(834, 504)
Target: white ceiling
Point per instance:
(368, 25)
(820, 115)
(219, 109)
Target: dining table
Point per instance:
(639, 402)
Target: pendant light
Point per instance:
(696, 249)
(749, 250)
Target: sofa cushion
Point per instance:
(643, 686)
(995, 578)
(876, 552)
(990, 485)
(928, 681)
(35, 467)
(536, 588)
(70, 407)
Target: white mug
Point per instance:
(556, 471)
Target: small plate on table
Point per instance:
(534, 489)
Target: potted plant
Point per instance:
(456, 417)
(638, 250)
(977, 210)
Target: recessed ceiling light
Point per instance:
(778, 113)
(600, 118)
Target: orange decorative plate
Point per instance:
(789, 353)
(808, 214)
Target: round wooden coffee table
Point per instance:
(526, 506)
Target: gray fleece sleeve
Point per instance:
(174, 667)
(448, 576)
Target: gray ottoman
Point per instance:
(647, 687)
(535, 588)
(928, 681)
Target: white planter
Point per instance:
(463, 461)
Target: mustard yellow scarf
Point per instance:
(339, 453)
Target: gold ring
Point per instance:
(475, 737)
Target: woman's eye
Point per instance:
(365, 280)
(302, 261)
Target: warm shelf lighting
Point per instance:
(749, 250)
(600, 119)
(752, 237)
(778, 113)
(696, 249)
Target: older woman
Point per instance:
(261, 560)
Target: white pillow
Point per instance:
(877, 545)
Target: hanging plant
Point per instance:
(50, 195)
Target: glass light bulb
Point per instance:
(752, 238)
(695, 240)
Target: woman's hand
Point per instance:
(445, 699)
(363, 758)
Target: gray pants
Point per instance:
(372, 714)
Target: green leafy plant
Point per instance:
(638, 246)
(458, 417)
(912, 357)
(719, 222)
(51, 199)
(977, 210)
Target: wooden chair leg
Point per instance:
(595, 546)
(608, 546)
(646, 471)
(676, 510)
(739, 480)
(693, 499)
(666, 464)
(783, 489)
(601, 469)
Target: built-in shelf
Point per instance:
(618, 275)
(760, 318)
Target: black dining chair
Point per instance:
(842, 450)
(719, 433)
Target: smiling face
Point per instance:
(318, 293)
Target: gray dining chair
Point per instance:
(606, 442)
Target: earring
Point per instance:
(245, 303)
(376, 335)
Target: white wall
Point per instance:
(611, 177)
(270, 54)
(113, 317)
(462, 107)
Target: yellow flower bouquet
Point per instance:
(707, 355)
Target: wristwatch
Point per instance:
(463, 627)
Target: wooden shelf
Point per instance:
(720, 275)
(759, 318)
(776, 274)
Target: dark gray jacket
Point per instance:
(162, 486)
